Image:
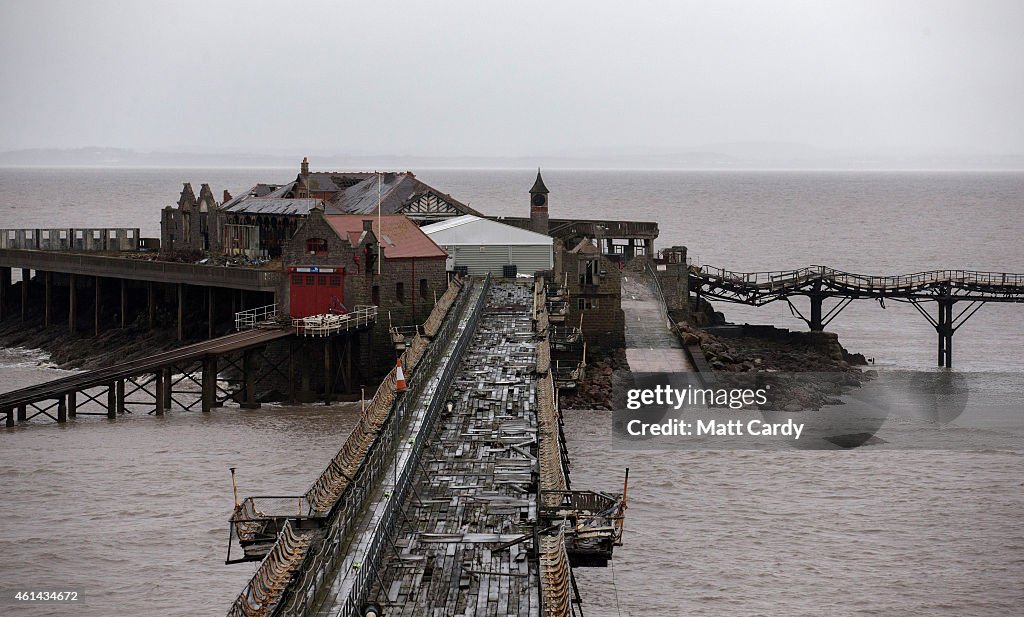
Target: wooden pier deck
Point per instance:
(455, 552)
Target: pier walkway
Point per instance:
(818, 283)
(451, 497)
(651, 346)
(189, 376)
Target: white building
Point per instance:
(482, 245)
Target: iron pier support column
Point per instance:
(124, 303)
(160, 392)
(62, 410)
(26, 276)
(151, 304)
(209, 383)
(97, 292)
(209, 312)
(815, 323)
(112, 400)
(9, 419)
(119, 390)
(181, 311)
(328, 376)
(72, 404)
(48, 295)
(249, 377)
(944, 328)
(167, 375)
(72, 303)
(5, 290)
(22, 413)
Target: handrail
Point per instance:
(354, 471)
(777, 278)
(250, 318)
(141, 269)
(307, 592)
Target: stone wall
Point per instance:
(603, 319)
(420, 279)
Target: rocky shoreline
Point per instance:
(85, 352)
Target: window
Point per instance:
(424, 289)
(311, 280)
(335, 281)
(375, 295)
(297, 279)
(588, 272)
(400, 292)
(586, 303)
(46, 234)
(316, 246)
(322, 280)
(113, 234)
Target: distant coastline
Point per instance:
(719, 157)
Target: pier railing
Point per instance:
(254, 279)
(775, 279)
(252, 318)
(338, 496)
(327, 325)
(309, 591)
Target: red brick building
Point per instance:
(347, 259)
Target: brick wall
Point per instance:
(603, 325)
(412, 309)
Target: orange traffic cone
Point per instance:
(399, 376)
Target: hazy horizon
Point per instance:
(845, 83)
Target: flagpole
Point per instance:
(380, 228)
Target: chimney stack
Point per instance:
(367, 224)
(305, 167)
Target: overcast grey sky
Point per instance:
(514, 78)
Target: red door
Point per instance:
(315, 291)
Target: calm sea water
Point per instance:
(132, 512)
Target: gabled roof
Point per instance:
(586, 247)
(401, 237)
(397, 190)
(350, 193)
(475, 230)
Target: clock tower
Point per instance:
(539, 206)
